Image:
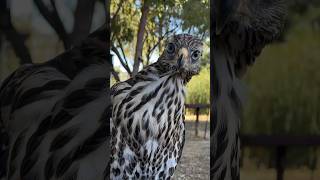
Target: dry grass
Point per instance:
(270, 174)
(251, 172)
(191, 117)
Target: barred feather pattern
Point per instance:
(256, 24)
(56, 116)
(147, 127)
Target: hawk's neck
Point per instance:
(157, 71)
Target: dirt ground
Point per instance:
(195, 160)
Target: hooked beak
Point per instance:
(180, 61)
(224, 9)
(183, 57)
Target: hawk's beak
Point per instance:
(183, 57)
(224, 9)
(180, 63)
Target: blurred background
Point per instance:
(139, 28)
(34, 31)
(284, 100)
(283, 86)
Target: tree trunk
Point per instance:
(141, 31)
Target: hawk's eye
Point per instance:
(196, 55)
(171, 48)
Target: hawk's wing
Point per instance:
(55, 116)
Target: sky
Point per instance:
(117, 64)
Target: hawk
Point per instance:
(147, 126)
(54, 116)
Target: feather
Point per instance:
(252, 26)
(52, 113)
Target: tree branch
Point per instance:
(115, 50)
(115, 75)
(123, 54)
(117, 11)
(140, 35)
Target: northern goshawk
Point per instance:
(147, 127)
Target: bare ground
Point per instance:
(195, 161)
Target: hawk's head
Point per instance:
(182, 54)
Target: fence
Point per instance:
(281, 143)
(197, 108)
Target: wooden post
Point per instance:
(280, 161)
(205, 129)
(241, 155)
(197, 121)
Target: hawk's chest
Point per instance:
(148, 127)
(150, 106)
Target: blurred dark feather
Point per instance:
(241, 29)
(51, 115)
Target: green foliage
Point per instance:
(164, 19)
(285, 85)
(198, 89)
(284, 90)
(205, 59)
(196, 15)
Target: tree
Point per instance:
(140, 35)
(139, 27)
